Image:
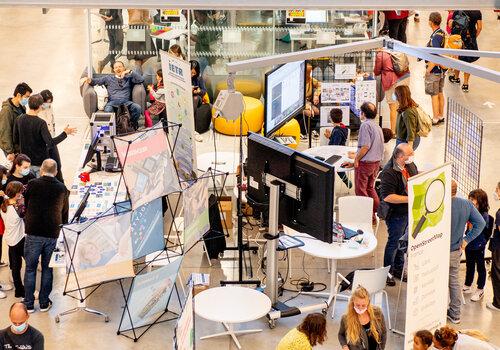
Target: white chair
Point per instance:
(373, 281)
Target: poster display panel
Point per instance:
(366, 91)
(335, 93)
(184, 331)
(196, 220)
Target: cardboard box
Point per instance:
(226, 207)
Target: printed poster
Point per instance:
(335, 93)
(148, 169)
(179, 101)
(147, 229)
(149, 296)
(366, 91)
(184, 331)
(101, 250)
(429, 232)
(196, 220)
(345, 71)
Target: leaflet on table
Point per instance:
(184, 331)
(429, 231)
(179, 97)
(149, 296)
(148, 169)
(195, 203)
(98, 250)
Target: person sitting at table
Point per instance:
(363, 326)
(309, 333)
(119, 86)
(338, 137)
(311, 110)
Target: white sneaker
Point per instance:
(198, 137)
(2, 295)
(467, 290)
(5, 286)
(492, 307)
(478, 295)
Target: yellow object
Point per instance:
(294, 340)
(292, 128)
(247, 87)
(253, 118)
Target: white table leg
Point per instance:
(232, 333)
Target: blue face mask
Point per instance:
(24, 101)
(19, 329)
(25, 172)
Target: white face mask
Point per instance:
(496, 197)
(360, 311)
(46, 105)
(409, 160)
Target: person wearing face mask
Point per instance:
(33, 137)
(20, 171)
(407, 122)
(20, 334)
(46, 113)
(363, 325)
(394, 192)
(462, 212)
(12, 108)
(494, 247)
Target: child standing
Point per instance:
(338, 136)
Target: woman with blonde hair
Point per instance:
(363, 326)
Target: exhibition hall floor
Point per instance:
(49, 51)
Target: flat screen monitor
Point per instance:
(92, 149)
(284, 95)
(313, 214)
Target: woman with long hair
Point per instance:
(14, 233)
(309, 333)
(407, 121)
(474, 251)
(363, 326)
(447, 338)
(3, 176)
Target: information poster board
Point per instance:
(98, 250)
(195, 203)
(366, 91)
(335, 93)
(429, 232)
(184, 331)
(150, 295)
(295, 16)
(179, 97)
(148, 169)
(147, 229)
(345, 71)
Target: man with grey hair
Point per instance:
(20, 335)
(46, 200)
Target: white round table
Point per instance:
(231, 305)
(328, 151)
(336, 251)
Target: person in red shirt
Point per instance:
(397, 21)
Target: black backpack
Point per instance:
(123, 123)
(461, 23)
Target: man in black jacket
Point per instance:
(32, 135)
(46, 202)
(394, 191)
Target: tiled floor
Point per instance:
(49, 51)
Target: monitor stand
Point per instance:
(98, 166)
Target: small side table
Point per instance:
(230, 305)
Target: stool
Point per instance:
(253, 118)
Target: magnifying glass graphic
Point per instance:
(434, 198)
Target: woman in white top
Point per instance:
(46, 113)
(14, 233)
(447, 338)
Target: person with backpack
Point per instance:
(407, 122)
(474, 251)
(468, 24)
(434, 74)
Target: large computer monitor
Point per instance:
(93, 150)
(284, 95)
(313, 214)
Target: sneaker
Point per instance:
(30, 309)
(478, 295)
(3, 264)
(2, 295)
(453, 320)
(46, 307)
(492, 307)
(315, 135)
(5, 286)
(465, 88)
(198, 137)
(467, 289)
(390, 281)
(454, 80)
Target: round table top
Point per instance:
(336, 251)
(231, 304)
(328, 151)
(227, 162)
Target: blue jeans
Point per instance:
(134, 109)
(416, 142)
(396, 226)
(34, 247)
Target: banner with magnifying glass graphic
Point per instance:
(429, 230)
